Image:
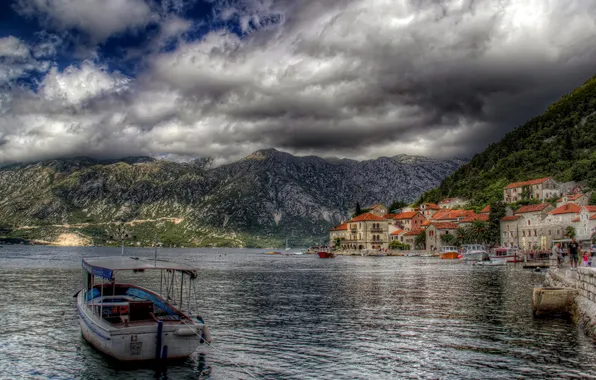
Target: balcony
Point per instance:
(375, 229)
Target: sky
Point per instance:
(223, 78)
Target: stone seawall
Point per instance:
(584, 305)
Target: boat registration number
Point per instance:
(135, 348)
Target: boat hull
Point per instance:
(476, 256)
(325, 255)
(449, 255)
(507, 259)
(138, 342)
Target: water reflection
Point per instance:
(302, 317)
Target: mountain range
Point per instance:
(260, 200)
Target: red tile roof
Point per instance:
(366, 217)
(590, 208)
(532, 208)
(510, 218)
(567, 208)
(471, 218)
(413, 233)
(341, 227)
(593, 217)
(452, 214)
(445, 226)
(398, 232)
(426, 223)
(576, 219)
(405, 215)
(375, 205)
(570, 197)
(388, 216)
(432, 206)
(485, 210)
(527, 183)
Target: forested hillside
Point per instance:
(559, 143)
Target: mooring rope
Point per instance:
(221, 352)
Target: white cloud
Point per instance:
(346, 78)
(100, 19)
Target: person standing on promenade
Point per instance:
(556, 253)
(574, 252)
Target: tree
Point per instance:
(420, 240)
(358, 209)
(461, 234)
(570, 232)
(478, 232)
(526, 192)
(448, 239)
(396, 205)
(497, 212)
(593, 198)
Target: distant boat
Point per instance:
(325, 253)
(273, 253)
(506, 254)
(474, 252)
(449, 252)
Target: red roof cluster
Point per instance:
(413, 233)
(341, 227)
(485, 210)
(510, 218)
(398, 232)
(366, 217)
(567, 208)
(445, 226)
(570, 197)
(471, 218)
(532, 208)
(590, 208)
(405, 215)
(432, 206)
(527, 183)
(388, 216)
(452, 214)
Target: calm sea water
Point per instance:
(301, 317)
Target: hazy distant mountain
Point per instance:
(268, 195)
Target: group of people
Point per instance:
(574, 252)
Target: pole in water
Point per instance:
(155, 257)
(122, 253)
(164, 359)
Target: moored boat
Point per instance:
(506, 254)
(326, 254)
(132, 323)
(449, 252)
(474, 252)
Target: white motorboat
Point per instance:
(474, 252)
(505, 254)
(132, 323)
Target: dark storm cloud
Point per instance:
(357, 78)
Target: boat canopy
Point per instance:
(105, 267)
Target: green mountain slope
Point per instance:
(559, 143)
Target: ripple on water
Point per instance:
(303, 318)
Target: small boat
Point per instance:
(489, 263)
(132, 323)
(273, 253)
(325, 253)
(474, 252)
(449, 252)
(506, 254)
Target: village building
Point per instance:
(397, 235)
(469, 220)
(367, 231)
(434, 232)
(377, 209)
(578, 199)
(451, 215)
(510, 231)
(338, 232)
(542, 188)
(452, 203)
(408, 221)
(485, 210)
(429, 209)
(410, 238)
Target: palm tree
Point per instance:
(479, 232)
(461, 234)
(448, 239)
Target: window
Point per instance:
(528, 222)
(524, 233)
(534, 232)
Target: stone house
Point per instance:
(434, 232)
(410, 238)
(468, 220)
(510, 231)
(408, 221)
(377, 209)
(578, 199)
(367, 231)
(338, 232)
(452, 203)
(397, 235)
(542, 188)
(428, 209)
